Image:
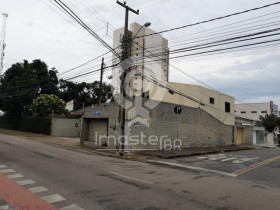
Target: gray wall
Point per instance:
(196, 128)
(65, 127)
(107, 111)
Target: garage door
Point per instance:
(239, 136)
(98, 131)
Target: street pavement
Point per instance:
(260, 165)
(75, 180)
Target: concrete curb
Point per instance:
(199, 153)
(190, 168)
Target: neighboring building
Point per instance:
(70, 106)
(253, 111)
(248, 133)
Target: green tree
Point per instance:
(23, 82)
(84, 93)
(269, 122)
(45, 105)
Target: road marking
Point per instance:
(196, 168)
(53, 198)
(242, 160)
(223, 158)
(14, 176)
(38, 189)
(25, 182)
(5, 171)
(131, 178)
(72, 207)
(48, 153)
(227, 159)
(241, 171)
(3, 166)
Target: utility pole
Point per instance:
(125, 44)
(101, 81)
(2, 43)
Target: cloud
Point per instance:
(37, 29)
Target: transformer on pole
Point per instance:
(2, 42)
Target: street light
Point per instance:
(147, 24)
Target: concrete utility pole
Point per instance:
(101, 81)
(125, 44)
(2, 43)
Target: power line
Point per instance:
(74, 16)
(214, 19)
(194, 77)
(86, 62)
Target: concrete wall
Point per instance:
(248, 134)
(64, 127)
(196, 128)
(269, 138)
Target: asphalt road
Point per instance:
(101, 182)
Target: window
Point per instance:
(264, 112)
(227, 106)
(211, 100)
(243, 112)
(253, 112)
(136, 54)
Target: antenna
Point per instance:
(2, 42)
(107, 29)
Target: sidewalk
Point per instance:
(74, 144)
(15, 196)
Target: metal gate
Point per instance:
(239, 136)
(98, 131)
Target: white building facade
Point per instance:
(253, 111)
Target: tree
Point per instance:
(269, 122)
(84, 93)
(45, 105)
(23, 82)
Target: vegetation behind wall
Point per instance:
(28, 124)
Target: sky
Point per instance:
(36, 29)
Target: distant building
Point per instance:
(70, 106)
(154, 44)
(253, 111)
